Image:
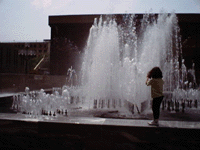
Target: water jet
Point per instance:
(116, 60)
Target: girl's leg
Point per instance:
(156, 107)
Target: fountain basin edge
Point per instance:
(90, 132)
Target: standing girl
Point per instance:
(154, 79)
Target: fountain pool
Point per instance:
(116, 60)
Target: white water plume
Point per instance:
(117, 59)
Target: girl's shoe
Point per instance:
(153, 123)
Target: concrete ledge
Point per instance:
(100, 121)
(96, 133)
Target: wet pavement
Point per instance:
(102, 121)
(65, 132)
(100, 129)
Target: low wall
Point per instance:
(18, 82)
(62, 132)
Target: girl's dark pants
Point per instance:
(156, 106)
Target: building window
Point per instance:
(1, 57)
(40, 51)
(8, 57)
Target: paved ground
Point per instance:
(190, 114)
(119, 129)
(88, 133)
(168, 119)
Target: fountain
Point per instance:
(116, 60)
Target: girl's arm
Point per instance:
(147, 80)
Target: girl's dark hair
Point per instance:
(155, 73)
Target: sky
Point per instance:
(27, 20)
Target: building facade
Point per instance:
(9, 59)
(75, 28)
(22, 57)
